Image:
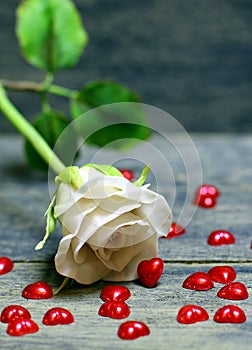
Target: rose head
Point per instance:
(109, 224)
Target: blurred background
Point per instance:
(191, 58)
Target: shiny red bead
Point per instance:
(6, 265)
(115, 293)
(233, 291)
(130, 330)
(230, 314)
(22, 326)
(206, 196)
(220, 237)
(191, 314)
(38, 290)
(14, 311)
(175, 231)
(150, 271)
(128, 174)
(222, 274)
(198, 281)
(56, 316)
(114, 309)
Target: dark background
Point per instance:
(191, 58)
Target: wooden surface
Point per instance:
(227, 163)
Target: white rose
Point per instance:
(109, 225)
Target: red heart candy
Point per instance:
(191, 314)
(57, 315)
(220, 237)
(114, 309)
(206, 196)
(38, 290)
(128, 174)
(14, 311)
(222, 274)
(233, 291)
(230, 314)
(198, 281)
(115, 293)
(130, 330)
(149, 271)
(175, 231)
(6, 265)
(21, 326)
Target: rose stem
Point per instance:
(25, 128)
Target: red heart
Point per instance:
(6, 265)
(206, 196)
(198, 281)
(38, 290)
(220, 237)
(130, 330)
(21, 326)
(114, 309)
(149, 271)
(233, 291)
(12, 312)
(115, 293)
(191, 314)
(230, 314)
(57, 315)
(222, 274)
(175, 231)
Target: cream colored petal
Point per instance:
(129, 273)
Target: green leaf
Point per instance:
(105, 169)
(70, 176)
(50, 125)
(50, 224)
(129, 120)
(50, 33)
(140, 181)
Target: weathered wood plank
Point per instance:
(157, 307)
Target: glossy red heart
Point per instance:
(6, 265)
(191, 314)
(222, 274)
(175, 231)
(206, 196)
(150, 271)
(115, 293)
(233, 291)
(130, 330)
(38, 290)
(14, 311)
(128, 174)
(114, 309)
(198, 281)
(230, 314)
(220, 237)
(22, 326)
(56, 316)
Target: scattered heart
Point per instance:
(191, 314)
(198, 281)
(56, 316)
(175, 231)
(206, 196)
(130, 330)
(220, 237)
(115, 293)
(233, 291)
(22, 326)
(222, 274)
(12, 312)
(230, 314)
(114, 309)
(128, 174)
(150, 271)
(38, 290)
(6, 265)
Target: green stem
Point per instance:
(22, 125)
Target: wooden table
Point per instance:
(226, 162)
